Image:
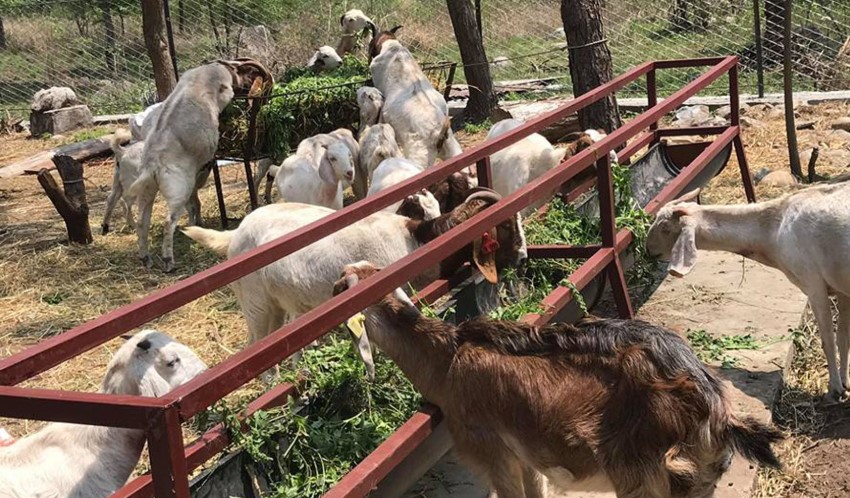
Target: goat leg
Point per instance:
(819, 301)
(843, 335)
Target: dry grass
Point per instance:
(49, 286)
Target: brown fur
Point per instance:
(615, 396)
(506, 234)
(581, 143)
(451, 192)
(378, 39)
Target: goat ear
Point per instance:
(326, 170)
(484, 255)
(360, 338)
(342, 20)
(690, 196)
(684, 255)
(396, 29)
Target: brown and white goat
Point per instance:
(605, 404)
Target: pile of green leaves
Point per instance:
(305, 450)
(564, 224)
(303, 103)
(711, 349)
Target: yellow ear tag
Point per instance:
(356, 324)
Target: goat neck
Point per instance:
(423, 348)
(741, 229)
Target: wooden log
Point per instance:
(70, 201)
(81, 151)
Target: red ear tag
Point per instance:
(489, 245)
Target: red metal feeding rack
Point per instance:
(161, 418)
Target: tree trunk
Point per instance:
(153, 25)
(181, 15)
(109, 53)
(70, 201)
(590, 61)
(482, 97)
(774, 25)
(2, 34)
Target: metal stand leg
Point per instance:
(619, 288)
(168, 460)
(252, 191)
(222, 209)
(745, 170)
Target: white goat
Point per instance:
(517, 165)
(396, 170)
(303, 280)
(182, 140)
(377, 144)
(128, 161)
(300, 180)
(353, 23)
(141, 123)
(806, 235)
(418, 113)
(324, 58)
(370, 100)
(85, 461)
(310, 148)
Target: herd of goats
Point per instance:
(603, 404)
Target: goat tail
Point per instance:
(120, 136)
(752, 439)
(217, 242)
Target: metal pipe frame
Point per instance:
(161, 417)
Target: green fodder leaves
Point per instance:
(305, 449)
(564, 224)
(710, 348)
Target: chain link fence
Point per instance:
(97, 48)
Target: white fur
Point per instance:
(418, 113)
(300, 180)
(325, 58)
(183, 139)
(377, 144)
(596, 136)
(143, 122)
(82, 461)
(806, 235)
(353, 23)
(519, 164)
(391, 172)
(370, 100)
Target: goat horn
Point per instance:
(484, 194)
(372, 28)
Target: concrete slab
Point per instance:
(723, 296)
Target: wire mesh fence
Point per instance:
(97, 48)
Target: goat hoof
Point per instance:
(104, 229)
(833, 398)
(168, 264)
(147, 261)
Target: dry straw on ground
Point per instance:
(49, 287)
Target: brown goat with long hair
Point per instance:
(603, 404)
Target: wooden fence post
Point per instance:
(70, 201)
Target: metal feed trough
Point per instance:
(160, 418)
(441, 74)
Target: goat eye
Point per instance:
(173, 362)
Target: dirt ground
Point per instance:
(49, 287)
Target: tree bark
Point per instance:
(153, 26)
(774, 29)
(590, 61)
(2, 34)
(109, 53)
(482, 97)
(788, 83)
(181, 15)
(70, 201)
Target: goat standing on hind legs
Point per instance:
(608, 404)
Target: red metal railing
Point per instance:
(161, 417)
